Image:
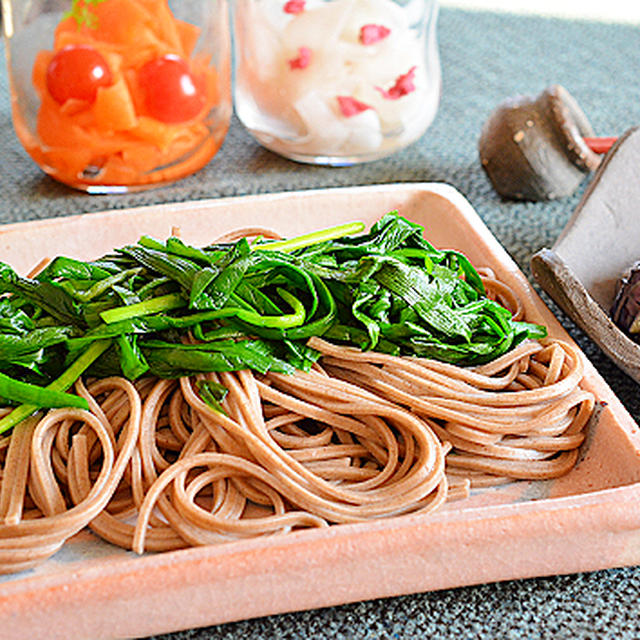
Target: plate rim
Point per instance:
(565, 516)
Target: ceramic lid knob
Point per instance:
(534, 148)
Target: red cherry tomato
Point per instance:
(172, 93)
(77, 71)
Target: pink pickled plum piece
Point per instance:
(372, 33)
(294, 6)
(303, 59)
(350, 106)
(403, 86)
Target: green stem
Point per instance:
(102, 285)
(421, 254)
(62, 383)
(18, 391)
(332, 233)
(144, 308)
(282, 321)
(151, 243)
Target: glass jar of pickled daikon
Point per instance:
(119, 95)
(336, 81)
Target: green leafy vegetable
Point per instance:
(144, 308)
(81, 12)
(17, 391)
(169, 309)
(59, 384)
(212, 393)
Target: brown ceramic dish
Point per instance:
(534, 148)
(587, 520)
(599, 243)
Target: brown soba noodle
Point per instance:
(362, 435)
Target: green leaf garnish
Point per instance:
(169, 309)
(81, 12)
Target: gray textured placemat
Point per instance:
(485, 57)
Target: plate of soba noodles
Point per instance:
(231, 408)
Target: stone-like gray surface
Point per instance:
(486, 57)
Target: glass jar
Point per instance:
(336, 81)
(119, 95)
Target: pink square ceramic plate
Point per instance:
(587, 520)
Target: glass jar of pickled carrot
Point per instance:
(336, 81)
(119, 95)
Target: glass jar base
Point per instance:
(285, 150)
(110, 189)
(93, 180)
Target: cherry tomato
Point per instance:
(77, 71)
(172, 93)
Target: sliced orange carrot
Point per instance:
(114, 133)
(115, 61)
(152, 6)
(119, 21)
(201, 59)
(73, 107)
(131, 78)
(113, 108)
(68, 38)
(67, 162)
(188, 166)
(142, 157)
(67, 25)
(189, 34)
(212, 84)
(148, 46)
(56, 129)
(207, 75)
(188, 138)
(39, 71)
(157, 133)
(117, 171)
(202, 154)
(167, 28)
(164, 23)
